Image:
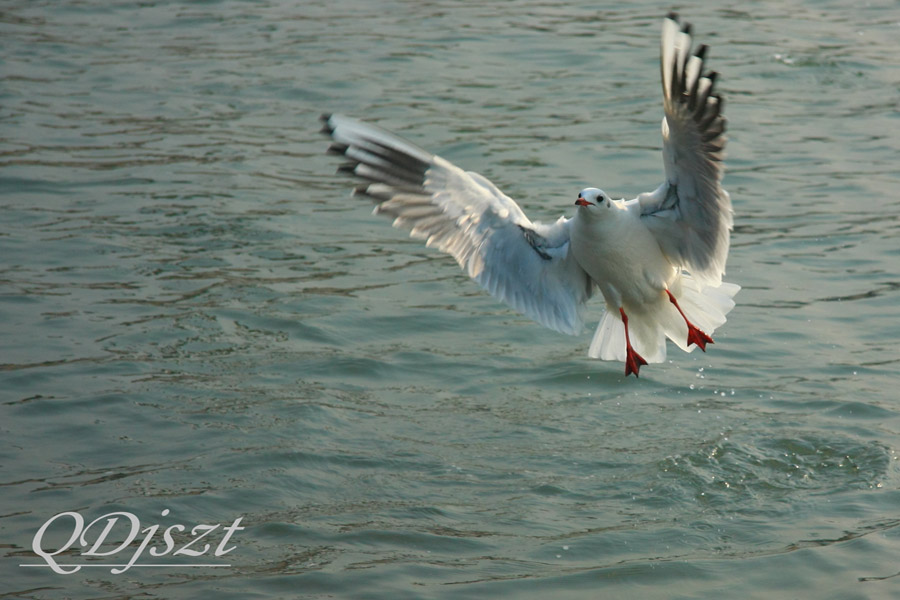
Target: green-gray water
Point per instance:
(197, 317)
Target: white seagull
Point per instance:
(658, 259)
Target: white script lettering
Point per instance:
(83, 536)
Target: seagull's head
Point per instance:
(589, 198)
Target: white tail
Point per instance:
(649, 325)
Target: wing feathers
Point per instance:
(525, 264)
(694, 229)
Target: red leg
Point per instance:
(695, 336)
(633, 360)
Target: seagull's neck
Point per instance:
(596, 215)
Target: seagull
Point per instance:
(657, 260)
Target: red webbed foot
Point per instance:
(695, 336)
(633, 360)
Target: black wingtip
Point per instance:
(327, 129)
(338, 148)
(701, 52)
(687, 28)
(348, 168)
(672, 15)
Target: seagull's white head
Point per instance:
(592, 198)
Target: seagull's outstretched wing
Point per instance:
(690, 214)
(525, 264)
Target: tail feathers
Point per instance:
(649, 326)
(609, 339)
(648, 334)
(706, 306)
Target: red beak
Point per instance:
(583, 202)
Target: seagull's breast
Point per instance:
(621, 255)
